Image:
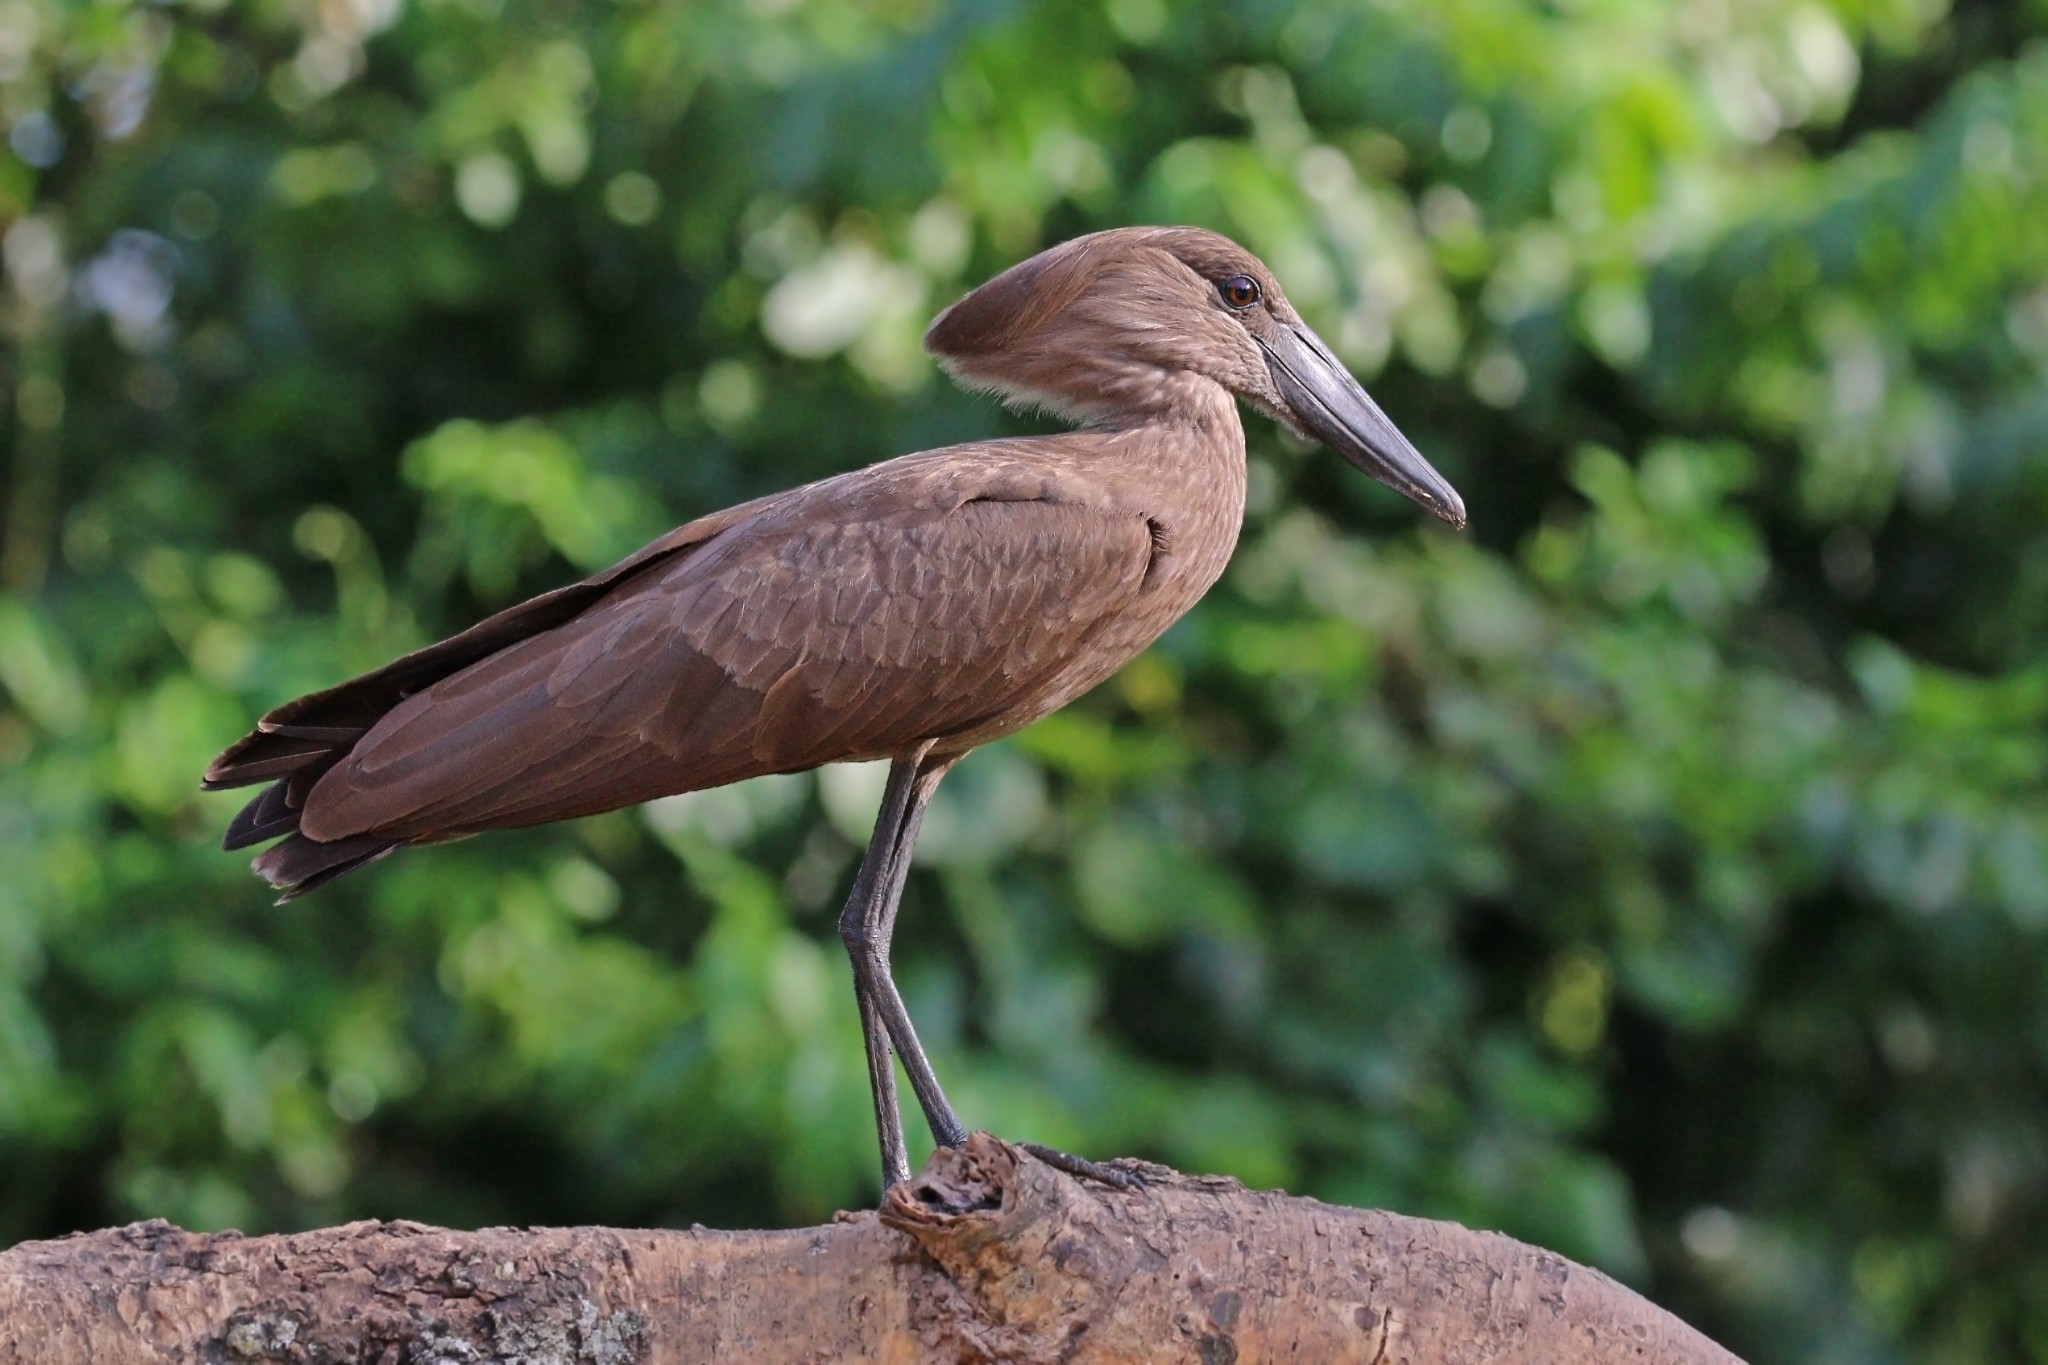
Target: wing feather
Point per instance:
(723, 680)
(929, 598)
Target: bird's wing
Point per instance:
(301, 739)
(857, 618)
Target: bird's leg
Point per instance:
(882, 1083)
(945, 1125)
(865, 926)
(874, 1036)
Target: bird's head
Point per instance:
(1125, 323)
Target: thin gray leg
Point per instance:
(865, 926)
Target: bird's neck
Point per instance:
(1185, 461)
(1191, 423)
(1180, 401)
(1114, 389)
(1176, 450)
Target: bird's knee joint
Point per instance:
(864, 948)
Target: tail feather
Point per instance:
(296, 745)
(268, 816)
(298, 864)
(280, 760)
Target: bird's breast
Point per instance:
(1193, 525)
(1195, 514)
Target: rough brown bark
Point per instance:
(988, 1255)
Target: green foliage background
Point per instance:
(1658, 872)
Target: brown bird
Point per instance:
(908, 611)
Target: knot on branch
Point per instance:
(1037, 1264)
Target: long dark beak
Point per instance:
(1335, 409)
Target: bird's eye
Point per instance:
(1240, 291)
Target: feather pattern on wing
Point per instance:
(797, 639)
(949, 596)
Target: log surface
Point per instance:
(987, 1255)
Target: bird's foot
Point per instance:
(1118, 1175)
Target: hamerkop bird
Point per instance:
(908, 611)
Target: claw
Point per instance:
(1113, 1174)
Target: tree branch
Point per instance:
(988, 1255)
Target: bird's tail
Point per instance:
(294, 746)
(298, 864)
